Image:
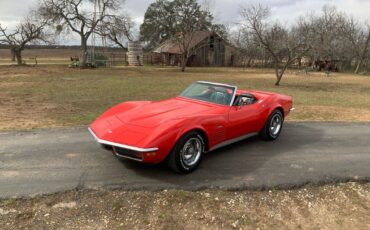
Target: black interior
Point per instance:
(250, 99)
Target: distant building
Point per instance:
(210, 49)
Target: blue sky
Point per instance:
(225, 11)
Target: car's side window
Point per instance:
(245, 99)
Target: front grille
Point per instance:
(127, 153)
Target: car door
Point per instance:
(244, 120)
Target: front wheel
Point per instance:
(273, 126)
(187, 153)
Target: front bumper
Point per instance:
(125, 151)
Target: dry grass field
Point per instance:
(63, 53)
(55, 95)
(44, 56)
(47, 56)
(343, 206)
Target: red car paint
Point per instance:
(151, 129)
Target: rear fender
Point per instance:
(284, 104)
(276, 106)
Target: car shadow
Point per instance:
(238, 161)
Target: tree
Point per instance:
(364, 52)
(334, 35)
(189, 18)
(284, 46)
(358, 38)
(177, 20)
(248, 50)
(221, 30)
(325, 35)
(30, 30)
(158, 24)
(118, 30)
(78, 16)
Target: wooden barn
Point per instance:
(209, 48)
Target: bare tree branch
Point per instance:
(31, 30)
(75, 15)
(285, 46)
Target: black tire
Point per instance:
(192, 142)
(273, 126)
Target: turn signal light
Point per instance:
(151, 154)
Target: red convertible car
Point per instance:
(180, 130)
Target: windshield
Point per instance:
(210, 92)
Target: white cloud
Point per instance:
(225, 11)
(12, 11)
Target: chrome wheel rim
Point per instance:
(191, 151)
(275, 125)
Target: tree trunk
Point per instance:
(364, 51)
(12, 52)
(359, 63)
(277, 73)
(280, 71)
(184, 60)
(279, 76)
(249, 62)
(264, 63)
(18, 55)
(83, 52)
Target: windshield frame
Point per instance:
(232, 87)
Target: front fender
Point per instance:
(166, 136)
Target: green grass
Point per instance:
(78, 96)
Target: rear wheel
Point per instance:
(273, 126)
(187, 153)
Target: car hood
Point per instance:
(132, 126)
(156, 113)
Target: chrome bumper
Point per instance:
(129, 147)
